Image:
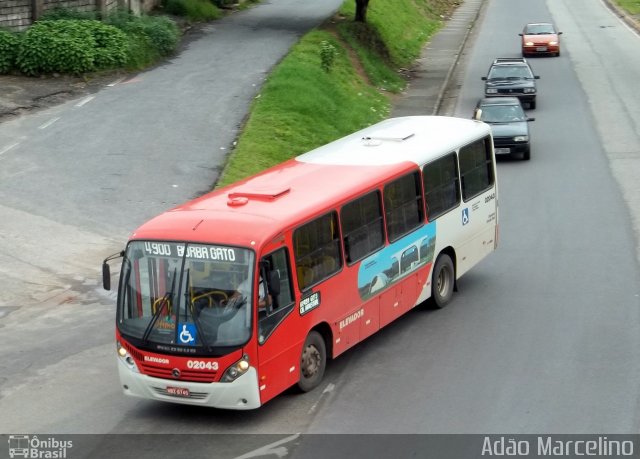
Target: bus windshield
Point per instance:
(186, 294)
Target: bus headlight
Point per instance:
(124, 355)
(521, 138)
(236, 370)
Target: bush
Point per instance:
(8, 50)
(71, 46)
(58, 13)
(161, 31)
(151, 37)
(112, 46)
(224, 3)
(195, 10)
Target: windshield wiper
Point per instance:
(156, 315)
(190, 306)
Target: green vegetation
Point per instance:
(194, 10)
(632, 6)
(71, 46)
(58, 13)
(69, 42)
(151, 38)
(8, 50)
(336, 80)
(301, 106)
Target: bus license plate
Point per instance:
(502, 151)
(541, 48)
(178, 391)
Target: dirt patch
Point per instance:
(22, 94)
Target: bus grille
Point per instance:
(133, 351)
(185, 375)
(193, 395)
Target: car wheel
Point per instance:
(442, 281)
(527, 154)
(532, 104)
(313, 362)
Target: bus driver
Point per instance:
(244, 291)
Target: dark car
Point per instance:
(511, 77)
(540, 38)
(509, 125)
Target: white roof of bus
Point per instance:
(411, 138)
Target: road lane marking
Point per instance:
(330, 387)
(272, 449)
(6, 149)
(119, 80)
(85, 100)
(48, 123)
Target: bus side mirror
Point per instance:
(106, 272)
(106, 276)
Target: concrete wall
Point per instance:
(17, 15)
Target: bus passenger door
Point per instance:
(278, 340)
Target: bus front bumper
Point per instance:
(241, 394)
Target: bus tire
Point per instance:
(313, 362)
(442, 281)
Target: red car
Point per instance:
(540, 38)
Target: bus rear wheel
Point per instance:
(313, 362)
(443, 281)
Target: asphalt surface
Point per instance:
(57, 403)
(424, 95)
(428, 92)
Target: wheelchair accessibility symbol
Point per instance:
(188, 334)
(465, 216)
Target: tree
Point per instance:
(361, 10)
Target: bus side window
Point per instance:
(476, 168)
(282, 304)
(362, 228)
(403, 205)
(441, 185)
(317, 250)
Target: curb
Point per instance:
(435, 68)
(447, 80)
(623, 15)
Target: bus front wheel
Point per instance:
(312, 362)
(443, 281)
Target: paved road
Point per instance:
(77, 178)
(59, 372)
(542, 337)
(87, 172)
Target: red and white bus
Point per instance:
(230, 299)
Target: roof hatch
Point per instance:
(241, 197)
